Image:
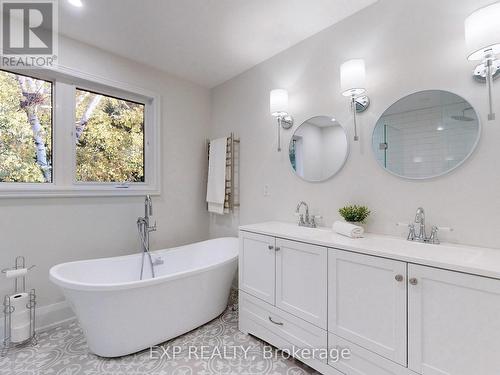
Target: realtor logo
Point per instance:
(29, 33)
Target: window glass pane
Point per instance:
(109, 139)
(25, 129)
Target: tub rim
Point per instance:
(66, 283)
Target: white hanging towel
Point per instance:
(216, 185)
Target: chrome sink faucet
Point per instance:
(421, 235)
(420, 219)
(305, 220)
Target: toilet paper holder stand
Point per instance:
(8, 309)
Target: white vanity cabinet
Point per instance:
(453, 323)
(411, 309)
(257, 266)
(287, 274)
(367, 302)
(283, 293)
(301, 282)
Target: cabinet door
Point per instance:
(301, 280)
(257, 264)
(454, 323)
(367, 302)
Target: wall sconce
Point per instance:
(482, 37)
(278, 100)
(352, 83)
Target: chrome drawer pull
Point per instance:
(272, 321)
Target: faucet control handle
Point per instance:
(315, 219)
(411, 230)
(153, 228)
(312, 223)
(433, 239)
(300, 218)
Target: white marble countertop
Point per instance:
(469, 259)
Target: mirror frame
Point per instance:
(347, 153)
(465, 159)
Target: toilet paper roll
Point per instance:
(16, 273)
(20, 317)
(20, 334)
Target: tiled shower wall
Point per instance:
(425, 142)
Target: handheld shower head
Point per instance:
(148, 205)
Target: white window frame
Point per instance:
(65, 81)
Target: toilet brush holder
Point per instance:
(18, 309)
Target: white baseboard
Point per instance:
(52, 315)
(49, 316)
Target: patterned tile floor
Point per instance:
(63, 351)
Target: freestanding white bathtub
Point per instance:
(121, 314)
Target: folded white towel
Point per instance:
(347, 229)
(216, 185)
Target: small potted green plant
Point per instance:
(355, 214)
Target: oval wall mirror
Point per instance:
(318, 148)
(426, 134)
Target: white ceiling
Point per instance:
(205, 41)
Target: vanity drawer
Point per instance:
(286, 332)
(362, 361)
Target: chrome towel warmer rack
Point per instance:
(229, 200)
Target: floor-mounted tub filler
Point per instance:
(121, 314)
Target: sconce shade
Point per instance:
(279, 102)
(352, 77)
(482, 32)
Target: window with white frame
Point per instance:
(109, 135)
(62, 134)
(25, 129)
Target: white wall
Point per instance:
(49, 231)
(408, 46)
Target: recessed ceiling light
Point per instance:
(76, 3)
(333, 120)
(440, 128)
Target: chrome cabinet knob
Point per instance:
(413, 281)
(270, 247)
(278, 248)
(399, 278)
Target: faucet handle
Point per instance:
(153, 228)
(411, 230)
(314, 220)
(300, 217)
(434, 234)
